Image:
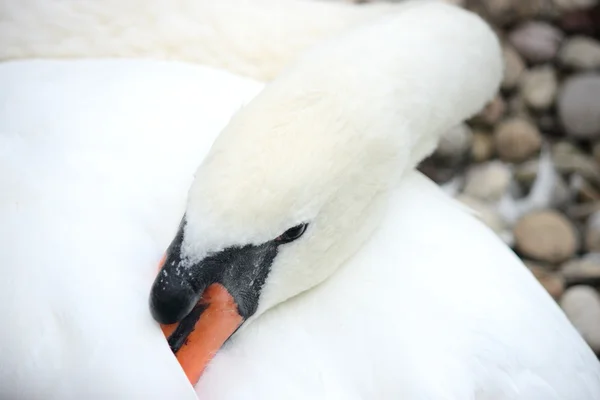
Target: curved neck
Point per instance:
(342, 124)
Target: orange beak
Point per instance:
(219, 319)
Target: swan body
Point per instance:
(481, 328)
(253, 38)
(412, 297)
(99, 211)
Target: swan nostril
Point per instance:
(171, 300)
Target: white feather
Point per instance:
(96, 158)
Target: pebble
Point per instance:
(580, 52)
(492, 112)
(482, 147)
(506, 11)
(536, 41)
(579, 106)
(581, 211)
(570, 5)
(592, 233)
(455, 144)
(569, 159)
(596, 152)
(581, 21)
(517, 107)
(539, 86)
(546, 235)
(581, 305)
(516, 139)
(499, 11)
(582, 270)
(487, 182)
(513, 67)
(551, 281)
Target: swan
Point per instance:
(385, 287)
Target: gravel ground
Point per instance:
(530, 162)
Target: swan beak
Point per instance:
(201, 305)
(211, 322)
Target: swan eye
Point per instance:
(292, 234)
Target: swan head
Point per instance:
(299, 178)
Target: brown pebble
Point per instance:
(580, 52)
(539, 86)
(513, 67)
(581, 304)
(492, 112)
(592, 233)
(516, 139)
(546, 235)
(482, 147)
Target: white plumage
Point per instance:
(413, 298)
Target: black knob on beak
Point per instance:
(171, 298)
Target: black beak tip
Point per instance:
(171, 301)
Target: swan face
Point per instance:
(288, 191)
(285, 195)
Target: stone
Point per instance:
(569, 159)
(455, 144)
(513, 67)
(592, 233)
(548, 11)
(517, 107)
(517, 139)
(492, 112)
(499, 11)
(596, 152)
(580, 212)
(579, 106)
(583, 270)
(546, 235)
(551, 281)
(504, 12)
(539, 86)
(482, 147)
(487, 182)
(570, 5)
(581, 305)
(585, 22)
(536, 41)
(580, 52)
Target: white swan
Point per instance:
(87, 211)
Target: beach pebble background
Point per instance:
(529, 163)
